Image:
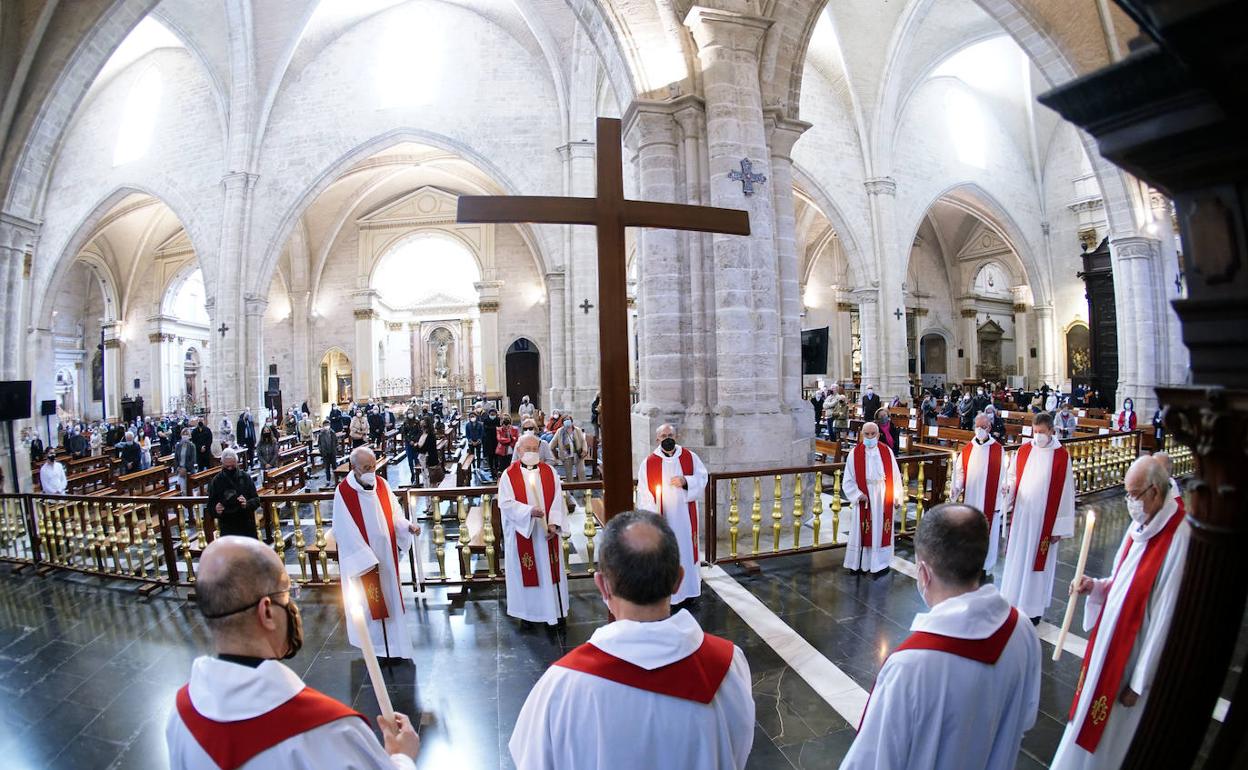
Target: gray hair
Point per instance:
(357, 455)
(1154, 472)
(983, 416)
(1166, 460)
(129, 435)
(638, 571)
(229, 454)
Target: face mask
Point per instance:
(528, 431)
(870, 443)
(367, 480)
(981, 434)
(922, 588)
(530, 458)
(1135, 508)
(1128, 406)
(870, 391)
(1042, 440)
(294, 630)
(668, 444)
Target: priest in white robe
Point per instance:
(980, 480)
(373, 536)
(650, 690)
(961, 690)
(670, 481)
(1122, 656)
(534, 513)
(243, 708)
(872, 485)
(1042, 496)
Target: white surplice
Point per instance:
(1032, 591)
(572, 719)
(869, 556)
(676, 510)
(935, 710)
(355, 557)
(975, 489)
(536, 604)
(1109, 593)
(230, 692)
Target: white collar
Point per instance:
(976, 445)
(1140, 534)
(229, 692)
(975, 615)
(650, 645)
(675, 453)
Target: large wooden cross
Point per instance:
(610, 212)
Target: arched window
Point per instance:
(138, 117)
(185, 301)
(426, 269)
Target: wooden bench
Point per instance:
(287, 478)
(829, 450)
(88, 481)
(297, 453)
(198, 481)
(152, 481)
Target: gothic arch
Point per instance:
(860, 270)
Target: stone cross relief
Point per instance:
(747, 177)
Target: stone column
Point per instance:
(560, 351)
(843, 345)
(301, 340)
(1020, 339)
(970, 339)
(17, 239)
(255, 370)
(691, 118)
(575, 349)
(158, 393)
(491, 357)
(112, 369)
(230, 385)
(365, 358)
(868, 301)
(470, 347)
(1046, 335)
(893, 378)
(1135, 295)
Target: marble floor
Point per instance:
(88, 669)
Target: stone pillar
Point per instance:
(470, 346)
(17, 239)
(491, 357)
(365, 358)
(112, 369)
(868, 301)
(230, 386)
(970, 339)
(842, 367)
(255, 371)
(691, 118)
(575, 349)
(1141, 331)
(301, 340)
(560, 351)
(891, 354)
(159, 392)
(1021, 340)
(1046, 336)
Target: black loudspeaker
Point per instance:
(136, 384)
(47, 408)
(14, 400)
(275, 383)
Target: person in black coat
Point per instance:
(245, 431)
(376, 425)
(489, 439)
(232, 498)
(870, 404)
(130, 452)
(335, 419)
(428, 446)
(201, 437)
(410, 433)
(36, 449)
(817, 400)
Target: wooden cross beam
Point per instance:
(610, 212)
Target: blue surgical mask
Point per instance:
(870, 442)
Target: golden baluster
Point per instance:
(756, 513)
(301, 543)
(184, 538)
(439, 538)
(258, 517)
(58, 532)
(777, 513)
(321, 544)
(591, 531)
(836, 505)
(905, 494)
(816, 506)
(566, 537)
(128, 528)
(465, 553)
(918, 501)
(99, 539)
(201, 524)
(54, 531)
(67, 533)
(80, 529)
(734, 518)
(279, 540)
(487, 521)
(152, 520)
(114, 538)
(798, 511)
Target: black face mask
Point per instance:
(294, 630)
(668, 444)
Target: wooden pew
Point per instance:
(297, 453)
(287, 478)
(88, 481)
(198, 481)
(153, 481)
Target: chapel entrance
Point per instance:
(990, 351)
(523, 373)
(933, 360)
(336, 380)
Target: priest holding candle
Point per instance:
(1129, 615)
(243, 708)
(670, 481)
(534, 513)
(373, 535)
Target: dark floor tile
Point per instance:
(87, 753)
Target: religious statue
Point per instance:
(441, 369)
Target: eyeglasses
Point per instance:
(292, 589)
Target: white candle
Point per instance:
(355, 612)
(1070, 605)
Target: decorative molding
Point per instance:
(1088, 239)
(1020, 308)
(488, 306)
(158, 337)
(394, 326)
(969, 312)
(365, 314)
(918, 311)
(881, 185)
(112, 343)
(1086, 205)
(845, 307)
(983, 243)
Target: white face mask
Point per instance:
(981, 433)
(1136, 510)
(367, 479)
(530, 458)
(1042, 440)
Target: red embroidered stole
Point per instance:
(233, 744)
(993, 484)
(371, 582)
(1057, 483)
(864, 507)
(696, 678)
(986, 650)
(1130, 618)
(654, 481)
(524, 545)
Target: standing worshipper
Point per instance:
(52, 480)
(505, 438)
(966, 412)
(889, 434)
(870, 404)
(1066, 422)
(872, 485)
(267, 451)
(489, 438)
(1126, 419)
(1043, 500)
(1129, 615)
(569, 447)
(36, 447)
(816, 400)
(184, 460)
(243, 708)
(474, 434)
(529, 493)
(327, 443)
(427, 447)
(232, 498)
(130, 452)
(376, 424)
(980, 480)
(670, 481)
(201, 436)
(245, 433)
(335, 419)
(684, 695)
(359, 429)
(409, 432)
(373, 535)
(961, 690)
(526, 408)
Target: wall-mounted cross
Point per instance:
(585, 306)
(897, 313)
(223, 329)
(746, 176)
(1178, 283)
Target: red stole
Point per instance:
(371, 582)
(654, 480)
(995, 453)
(696, 678)
(986, 650)
(524, 545)
(234, 744)
(1057, 483)
(1130, 618)
(859, 458)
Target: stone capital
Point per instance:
(711, 28)
(365, 314)
(648, 122)
(254, 304)
(782, 132)
(865, 295)
(17, 233)
(1135, 247)
(488, 306)
(881, 185)
(488, 290)
(556, 280)
(576, 150)
(239, 180)
(968, 312)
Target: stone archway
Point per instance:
(524, 374)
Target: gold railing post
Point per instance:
(756, 513)
(184, 535)
(836, 505)
(258, 517)
(905, 496)
(734, 518)
(439, 537)
(591, 531)
(152, 520)
(487, 522)
(798, 511)
(301, 543)
(777, 513)
(566, 538)
(279, 540)
(816, 505)
(465, 552)
(114, 535)
(99, 537)
(918, 502)
(127, 524)
(321, 543)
